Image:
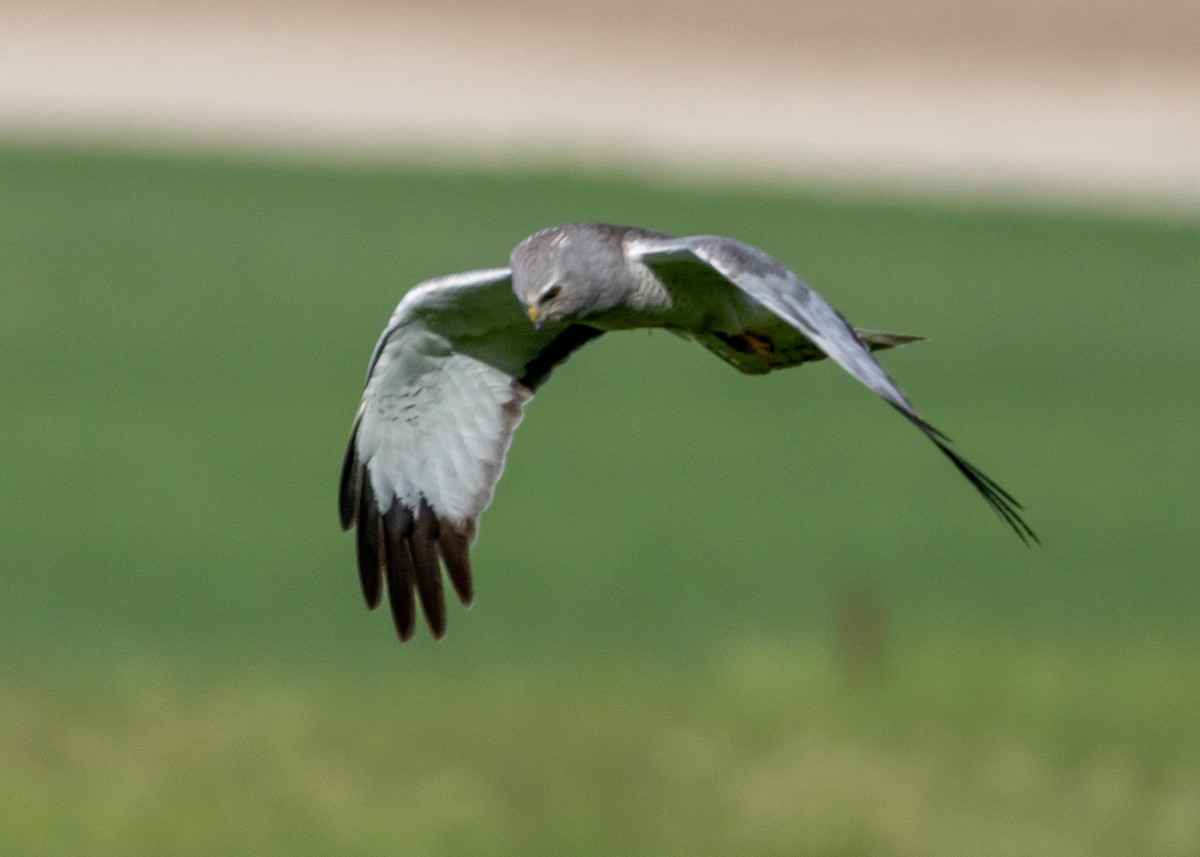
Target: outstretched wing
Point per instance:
(445, 389)
(687, 265)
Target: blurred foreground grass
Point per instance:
(954, 748)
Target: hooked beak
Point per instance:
(532, 312)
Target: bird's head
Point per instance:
(545, 304)
(567, 274)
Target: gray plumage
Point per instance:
(462, 354)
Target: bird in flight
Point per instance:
(463, 354)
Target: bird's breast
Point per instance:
(645, 303)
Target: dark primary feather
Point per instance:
(350, 486)
(370, 548)
(397, 527)
(1005, 504)
(454, 546)
(423, 544)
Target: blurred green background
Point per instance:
(715, 614)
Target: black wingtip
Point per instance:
(402, 547)
(454, 546)
(397, 527)
(350, 485)
(428, 570)
(1004, 504)
(369, 544)
(999, 499)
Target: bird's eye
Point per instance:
(550, 294)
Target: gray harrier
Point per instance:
(462, 354)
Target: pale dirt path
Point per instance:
(1097, 99)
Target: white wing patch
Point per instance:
(436, 424)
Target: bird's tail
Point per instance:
(877, 341)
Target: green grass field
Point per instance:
(188, 667)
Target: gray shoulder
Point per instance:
(731, 257)
(471, 300)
